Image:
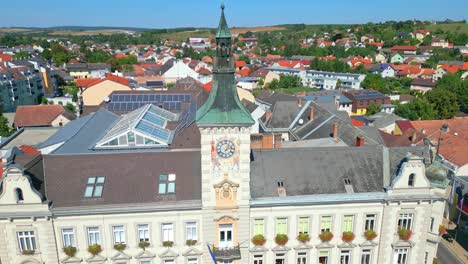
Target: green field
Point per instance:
(454, 27)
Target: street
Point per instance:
(446, 256)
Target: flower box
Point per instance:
(304, 238)
(442, 230)
(28, 252)
(326, 236)
(281, 239)
(370, 234)
(120, 246)
(144, 244)
(168, 243)
(405, 234)
(258, 240)
(191, 242)
(94, 249)
(69, 251)
(348, 236)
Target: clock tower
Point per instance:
(224, 125)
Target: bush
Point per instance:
(94, 249)
(69, 251)
(370, 234)
(405, 234)
(120, 246)
(281, 239)
(304, 238)
(144, 244)
(28, 251)
(191, 242)
(348, 236)
(258, 240)
(326, 236)
(168, 243)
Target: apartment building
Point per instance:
(331, 80)
(19, 86)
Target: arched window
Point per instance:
(19, 195)
(411, 179)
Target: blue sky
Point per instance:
(204, 13)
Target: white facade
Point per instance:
(178, 71)
(328, 80)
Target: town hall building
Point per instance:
(152, 186)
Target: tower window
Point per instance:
(411, 179)
(280, 184)
(19, 195)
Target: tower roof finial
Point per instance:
(222, 5)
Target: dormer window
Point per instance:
(167, 183)
(94, 187)
(411, 180)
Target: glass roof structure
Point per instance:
(144, 127)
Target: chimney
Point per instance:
(281, 190)
(359, 141)
(335, 131)
(267, 116)
(312, 112)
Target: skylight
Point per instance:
(143, 127)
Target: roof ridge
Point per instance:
(77, 131)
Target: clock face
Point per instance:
(225, 149)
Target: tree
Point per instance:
(46, 54)
(22, 55)
(418, 109)
(444, 102)
(70, 107)
(373, 109)
(376, 82)
(5, 129)
(458, 86)
(244, 58)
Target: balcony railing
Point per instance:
(227, 254)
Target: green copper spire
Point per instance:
(223, 29)
(223, 107)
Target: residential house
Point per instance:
(384, 70)
(404, 49)
(439, 42)
(179, 70)
(396, 59)
(439, 73)
(380, 58)
(363, 98)
(267, 75)
(335, 97)
(421, 34)
(95, 94)
(88, 70)
(189, 187)
(42, 116)
(422, 85)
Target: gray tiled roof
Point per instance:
(316, 170)
(66, 132)
(90, 132)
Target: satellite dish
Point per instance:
(106, 99)
(301, 121)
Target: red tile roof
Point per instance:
(244, 72)
(453, 143)
(408, 48)
(30, 150)
(5, 57)
(207, 86)
(36, 115)
(87, 82)
(121, 56)
(357, 123)
(240, 64)
(404, 125)
(117, 79)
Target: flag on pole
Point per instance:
(210, 249)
